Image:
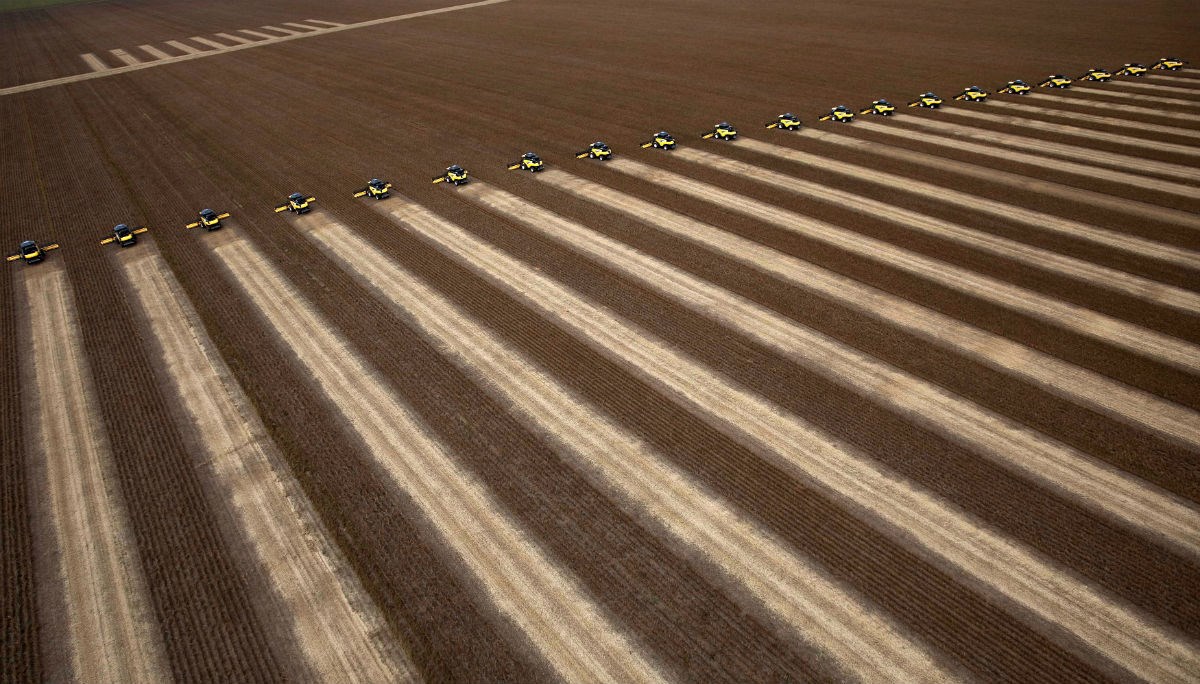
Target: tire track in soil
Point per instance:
(1015, 154)
(1099, 327)
(996, 565)
(1070, 473)
(108, 628)
(1094, 275)
(1100, 120)
(1147, 168)
(1113, 107)
(1003, 210)
(1162, 78)
(200, 600)
(800, 595)
(338, 630)
(648, 588)
(569, 631)
(1012, 180)
(1124, 140)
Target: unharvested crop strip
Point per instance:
(1148, 343)
(111, 629)
(1052, 375)
(1076, 131)
(1085, 271)
(1016, 155)
(337, 629)
(796, 592)
(94, 62)
(565, 625)
(1015, 447)
(286, 32)
(1114, 106)
(196, 54)
(1103, 120)
(1012, 180)
(942, 533)
(259, 34)
(304, 27)
(1053, 149)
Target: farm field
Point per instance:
(903, 399)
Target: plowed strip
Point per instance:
(113, 636)
(125, 57)
(1076, 131)
(1030, 217)
(1056, 466)
(153, 52)
(943, 534)
(1093, 274)
(236, 39)
(565, 625)
(184, 48)
(1053, 149)
(1050, 374)
(1115, 107)
(1098, 326)
(211, 43)
(1136, 96)
(1012, 180)
(1154, 88)
(257, 34)
(1010, 154)
(94, 63)
(336, 626)
(1172, 79)
(825, 614)
(1104, 120)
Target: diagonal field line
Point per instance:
(940, 532)
(1113, 106)
(566, 626)
(793, 588)
(1137, 96)
(1076, 131)
(1075, 384)
(274, 39)
(1053, 149)
(111, 630)
(336, 626)
(1086, 271)
(1006, 178)
(1096, 485)
(1106, 329)
(1092, 118)
(1016, 155)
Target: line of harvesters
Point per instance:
(31, 252)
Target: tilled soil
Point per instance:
(237, 132)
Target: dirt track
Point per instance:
(1033, 275)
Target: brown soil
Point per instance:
(237, 132)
